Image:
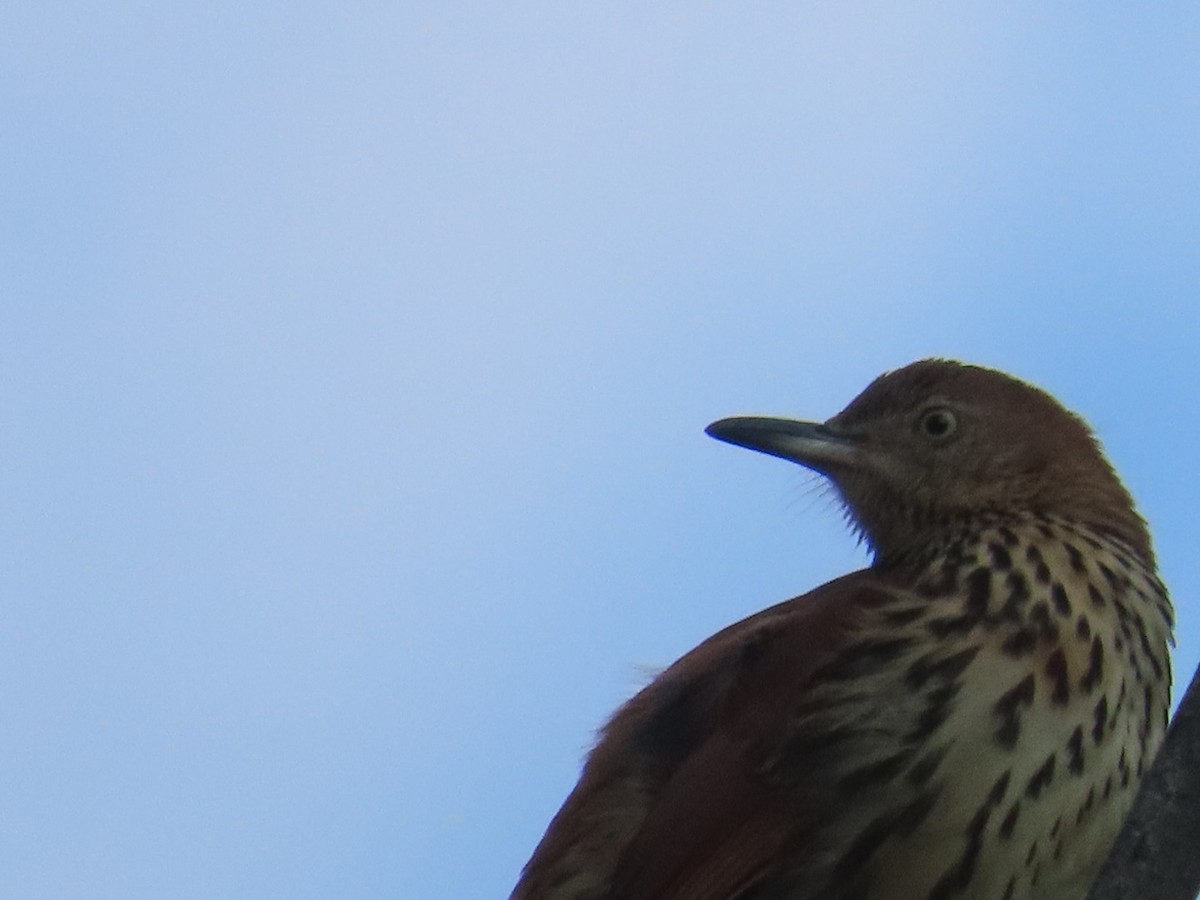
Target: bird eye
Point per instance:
(938, 423)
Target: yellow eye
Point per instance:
(938, 423)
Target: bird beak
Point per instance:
(811, 444)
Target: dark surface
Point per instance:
(1157, 856)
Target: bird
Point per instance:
(967, 717)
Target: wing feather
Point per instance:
(676, 801)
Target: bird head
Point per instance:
(938, 443)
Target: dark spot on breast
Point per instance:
(947, 626)
(903, 616)
(937, 707)
(999, 788)
(979, 591)
(1075, 557)
(1010, 820)
(1083, 628)
(999, 555)
(910, 817)
(1018, 596)
(946, 668)
(863, 847)
(1041, 572)
(958, 876)
(806, 743)
(1041, 778)
(1088, 802)
(924, 767)
(874, 773)
(1039, 617)
(1123, 615)
(1062, 603)
(864, 658)
(1147, 710)
(1075, 751)
(1136, 665)
(1111, 577)
(943, 583)
(1094, 595)
(1149, 653)
(901, 821)
(1056, 671)
(1165, 612)
(1020, 643)
(1099, 719)
(1095, 668)
(1008, 709)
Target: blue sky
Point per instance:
(354, 361)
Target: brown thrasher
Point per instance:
(968, 717)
